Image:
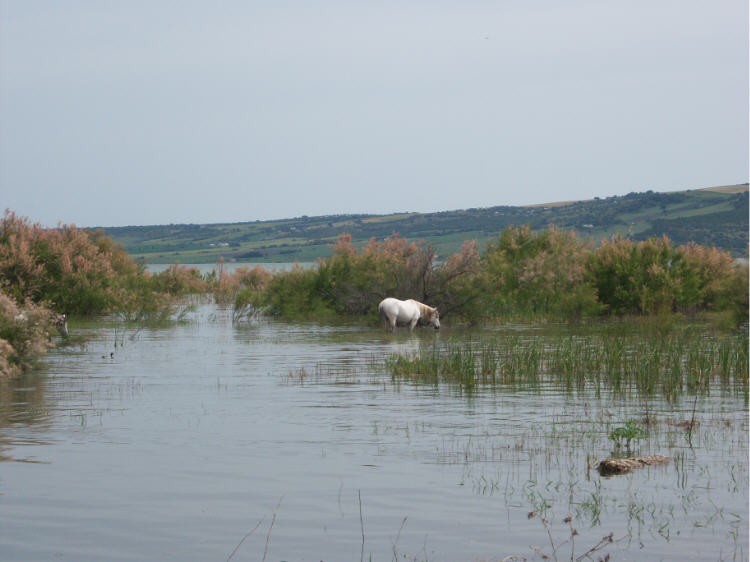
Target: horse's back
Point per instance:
(398, 310)
(388, 305)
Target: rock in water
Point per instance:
(609, 467)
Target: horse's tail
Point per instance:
(382, 313)
(388, 322)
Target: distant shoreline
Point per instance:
(713, 216)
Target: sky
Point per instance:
(147, 112)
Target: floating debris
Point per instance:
(609, 467)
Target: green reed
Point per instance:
(625, 361)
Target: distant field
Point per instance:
(555, 204)
(738, 188)
(715, 216)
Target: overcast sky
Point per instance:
(151, 112)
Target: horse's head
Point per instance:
(433, 319)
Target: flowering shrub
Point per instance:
(69, 269)
(248, 299)
(178, 280)
(654, 276)
(24, 335)
(226, 286)
(458, 285)
(72, 271)
(550, 273)
(353, 282)
(539, 273)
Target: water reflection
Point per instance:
(190, 437)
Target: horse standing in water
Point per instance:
(395, 312)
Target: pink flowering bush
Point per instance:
(45, 272)
(69, 269)
(24, 335)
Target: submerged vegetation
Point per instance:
(551, 274)
(623, 360)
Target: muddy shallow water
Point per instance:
(271, 441)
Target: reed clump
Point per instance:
(687, 361)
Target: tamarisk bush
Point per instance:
(353, 281)
(69, 269)
(24, 335)
(655, 277)
(551, 273)
(76, 272)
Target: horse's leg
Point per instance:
(386, 320)
(389, 323)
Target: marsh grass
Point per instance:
(625, 361)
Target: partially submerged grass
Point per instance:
(682, 361)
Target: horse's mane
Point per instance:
(424, 310)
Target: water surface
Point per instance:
(178, 443)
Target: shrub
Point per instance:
(732, 295)
(226, 286)
(21, 271)
(353, 282)
(539, 273)
(179, 280)
(550, 273)
(72, 270)
(76, 271)
(248, 300)
(24, 335)
(298, 293)
(654, 277)
(458, 285)
(708, 275)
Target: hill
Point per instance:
(713, 216)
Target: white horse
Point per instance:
(395, 312)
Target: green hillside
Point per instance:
(714, 216)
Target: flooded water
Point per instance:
(268, 441)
